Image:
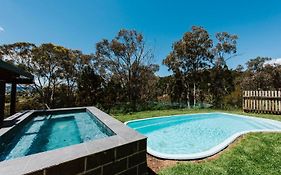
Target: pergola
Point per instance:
(12, 75)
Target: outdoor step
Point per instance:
(268, 125)
(26, 140)
(275, 125)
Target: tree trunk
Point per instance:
(188, 96)
(194, 95)
(188, 101)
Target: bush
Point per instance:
(233, 100)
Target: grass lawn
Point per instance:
(255, 153)
(157, 113)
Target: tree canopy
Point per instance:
(121, 74)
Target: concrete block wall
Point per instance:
(128, 159)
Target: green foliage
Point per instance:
(233, 100)
(47, 63)
(221, 84)
(261, 76)
(257, 64)
(191, 60)
(19, 53)
(189, 56)
(89, 88)
(127, 61)
(30, 102)
(191, 53)
(225, 48)
(120, 76)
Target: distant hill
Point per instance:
(19, 88)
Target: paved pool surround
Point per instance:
(123, 153)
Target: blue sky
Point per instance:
(81, 24)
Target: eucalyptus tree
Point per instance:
(261, 76)
(256, 64)
(19, 53)
(276, 76)
(90, 87)
(52, 66)
(222, 80)
(73, 63)
(191, 55)
(125, 58)
(47, 67)
(225, 48)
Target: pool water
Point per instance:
(53, 131)
(197, 135)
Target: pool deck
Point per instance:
(121, 153)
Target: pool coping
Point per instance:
(212, 151)
(36, 162)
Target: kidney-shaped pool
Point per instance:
(195, 136)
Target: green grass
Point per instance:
(156, 113)
(255, 153)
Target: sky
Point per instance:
(80, 24)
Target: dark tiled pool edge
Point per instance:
(123, 153)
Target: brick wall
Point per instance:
(129, 159)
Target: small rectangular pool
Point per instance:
(51, 130)
(70, 141)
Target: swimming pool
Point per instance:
(76, 141)
(195, 136)
(53, 130)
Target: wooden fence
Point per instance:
(262, 101)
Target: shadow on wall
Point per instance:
(150, 171)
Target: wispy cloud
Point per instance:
(274, 61)
(1, 29)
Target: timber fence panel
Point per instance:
(262, 101)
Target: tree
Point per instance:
(276, 76)
(225, 48)
(239, 69)
(147, 82)
(256, 64)
(90, 87)
(73, 66)
(191, 55)
(126, 58)
(46, 64)
(255, 76)
(222, 84)
(261, 75)
(221, 77)
(19, 53)
(55, 69)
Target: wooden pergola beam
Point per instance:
(19, 81)
(14, 70)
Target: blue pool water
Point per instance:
(197, 135)
(52, 131)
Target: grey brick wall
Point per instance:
(129, 159)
